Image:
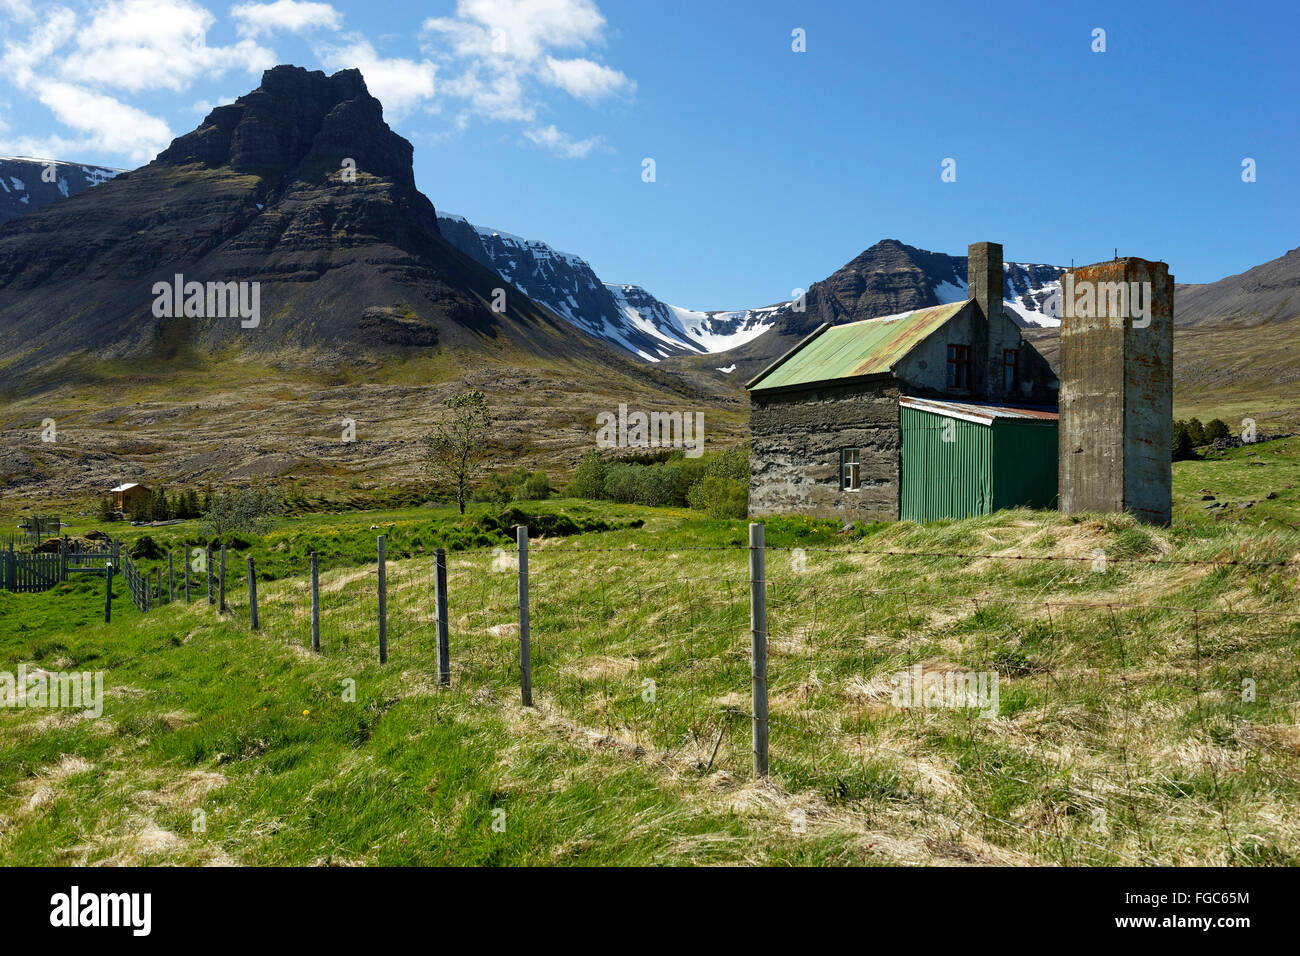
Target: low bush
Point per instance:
(715, 483)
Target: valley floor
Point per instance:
(1147, 695)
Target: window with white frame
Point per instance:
(850, 469)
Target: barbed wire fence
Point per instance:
(1091, 728)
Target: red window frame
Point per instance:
(959, 367)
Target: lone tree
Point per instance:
(245, 509)
(457, 446)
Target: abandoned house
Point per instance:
(947, 411)
(940, 412)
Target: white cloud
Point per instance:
(561, 143)
(69, 61)
(21, 61)
(499, 95)
(585, 79)
(398, 83)
(111, 125)
(497, 57)
(292, 16)
(520, 30)
(154, 44)
(500, 59)
(105, 124)
(17, 9)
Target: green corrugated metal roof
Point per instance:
(868, 347)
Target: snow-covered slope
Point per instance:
(634, 319)
(1026, 288)
(565, 283)
(27, 184)
(702, 331)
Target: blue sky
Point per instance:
(772, 167)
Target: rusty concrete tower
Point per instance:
(1117, 389)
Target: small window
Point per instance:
(959, 366)
(850, 464)
(1010, 369)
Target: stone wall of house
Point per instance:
(797, 437)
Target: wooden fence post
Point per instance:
(525, 645)
(315, 604)
(148, 588)
(440, 605)
(108, 591)
(383, 606)
(186, 562)
(252, 595)
(758, 635)
(171, 578)
(207, 563)
(221, 582)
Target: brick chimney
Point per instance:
(984, 285)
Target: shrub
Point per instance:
(620, 482)
(497, 489)
(656, 485)
(1216, 429)
(589, 480)
(1184, 448)
(145, 548)
(662, 480)
(536, 487)
(721, 497)
(105, 510)
(247, 509)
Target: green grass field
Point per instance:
(1124, 734)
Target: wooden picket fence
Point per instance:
(29, 573)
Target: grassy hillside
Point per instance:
(229, 419)
(1122, 735)
(1226, 371)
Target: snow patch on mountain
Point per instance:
(1027, 287)
(27, 185)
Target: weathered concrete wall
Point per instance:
(1116, 401)
(984, 285)
(924, 371)
(795, 458)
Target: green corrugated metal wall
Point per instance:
(944, 479)
(985, 467)
(1024, 463)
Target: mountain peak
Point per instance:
(299, 122)
(346, 268)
